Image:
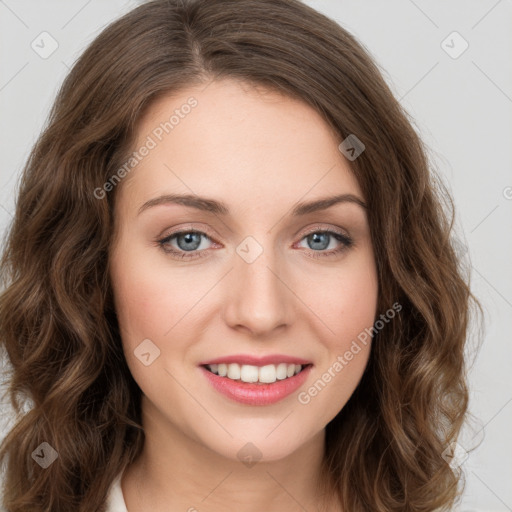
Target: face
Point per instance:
(249, 275)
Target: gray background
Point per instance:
(461, 106)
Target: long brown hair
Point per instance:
(57, 319)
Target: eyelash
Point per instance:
(345, 240)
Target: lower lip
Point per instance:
(256, 394)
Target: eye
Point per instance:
(320, 240)
(189, 244)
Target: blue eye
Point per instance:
(319, 241)
(189, 243)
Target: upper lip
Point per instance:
(257, 360)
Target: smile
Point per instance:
(254, 384)
(248, 373)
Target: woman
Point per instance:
(229, 279)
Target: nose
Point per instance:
(258, 298)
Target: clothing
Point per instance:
(115, 499)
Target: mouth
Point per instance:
(251, 374)
(256, 384)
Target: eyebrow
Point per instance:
(220, 208)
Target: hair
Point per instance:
(58, 326)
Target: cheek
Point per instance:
(146, 299)
(155, 303)
(347, 300)
(149, 308)
(357, 306)
(146, 303)
(139, 303)
(349, 309)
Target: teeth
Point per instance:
(233, 371)
(281, 371)
(268, 374)
(248, 373)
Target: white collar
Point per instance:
(115, 498)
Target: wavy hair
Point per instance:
(58, 324)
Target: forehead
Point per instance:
(235, 141)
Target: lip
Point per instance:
(256, 394)
(257, 360)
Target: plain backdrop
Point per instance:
(450, 65)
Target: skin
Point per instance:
(260, 153)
